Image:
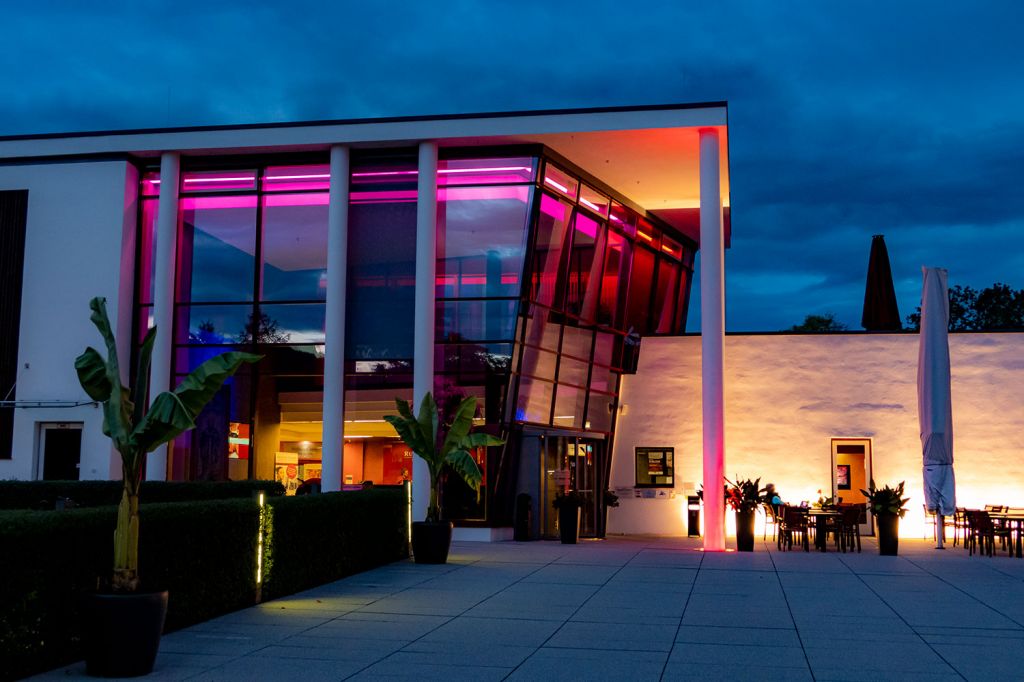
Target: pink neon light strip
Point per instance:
(560, 187)
(368, 174)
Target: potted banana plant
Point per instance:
(122, 626)
(443, 448)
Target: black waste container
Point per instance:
(693, 516)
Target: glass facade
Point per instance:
(540, 276)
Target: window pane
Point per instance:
(381, 260)
(569, 406)
(623, 218)
(292, 360)
(584, 280)
(218, 181)
(295, 178)
(294, 323)
(216, 247)
(599, 412)
(641, 278)
(664, 297)
(212, 324)
(534, 401)
(151, 184)
(539, 363)
(647, 235)
(613, 279)
(548, 267)
(147, 251)
(471, 358)
(485, 171)
(604, 379)
(682, 300)
(671, 247)
(572, 371)
(594, 200)
(481, 240)
(560, 181)
(607, 349)
(294, 247)
(540, 330)
(476, 320)
(576, 342)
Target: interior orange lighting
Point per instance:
(644, 235)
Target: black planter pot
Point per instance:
(745, 530)
(888, 534)
(569, 524)
(431, 541)
(121, 633)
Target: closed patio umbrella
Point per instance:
(880, 310)
(934, 403)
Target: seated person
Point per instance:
(771, 496)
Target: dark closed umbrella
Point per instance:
(880, 310)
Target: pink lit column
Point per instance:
(423, 333)
(163, 296)
(712, 337)
(334, 346)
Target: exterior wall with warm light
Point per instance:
(787, 396)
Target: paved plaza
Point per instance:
(631, 609)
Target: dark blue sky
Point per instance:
(846, 119)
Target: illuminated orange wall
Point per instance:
(788, 395)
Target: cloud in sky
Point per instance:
(846, 120)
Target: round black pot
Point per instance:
(431, 541)
(888, 534)
(745, 530)
(569, 524)
(121, 633)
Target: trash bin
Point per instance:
(693, 516)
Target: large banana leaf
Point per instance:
(174, 412)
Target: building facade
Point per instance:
(518, 258)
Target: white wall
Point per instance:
(788, 395)
(80, 237)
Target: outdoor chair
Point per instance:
(849, 526)
(932, 518)
(960, 525)
(771, 518)
(794, 522)
(982, 533)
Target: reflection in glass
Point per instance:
(294, 247)
(289, 323)
(614, 277)
(212, 324)
(534, 401)
(569, 403)
(481, 240)
(547, 257)
(476, 320)
(216, 247)
(664, 296)
(639, 296)
(584, 278)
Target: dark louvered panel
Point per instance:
(13, 213)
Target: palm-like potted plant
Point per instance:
(888, 506)
(744, 496)
(443, 448)
(569, 505)
(123, 627)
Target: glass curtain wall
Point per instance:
(600, 276)
(543, 285)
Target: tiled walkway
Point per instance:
(631, 609)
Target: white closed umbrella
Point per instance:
(934, 402)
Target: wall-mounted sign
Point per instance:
(655, 467)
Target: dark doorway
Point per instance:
(61, 450)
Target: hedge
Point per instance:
(44, 494)
(203, 552)
(314, 539)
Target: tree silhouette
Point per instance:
(994, 308)
(262, 329)
(819, 323)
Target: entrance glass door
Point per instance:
(851, 472)
(573, 464)
(60, 447)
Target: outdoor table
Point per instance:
(1015, 522)
(821, 517)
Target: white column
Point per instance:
(163, 296)
(423, 334)
(712, 331)
(334, 347)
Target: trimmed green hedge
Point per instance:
(203, 552)
(43, 495)
(315, 539)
